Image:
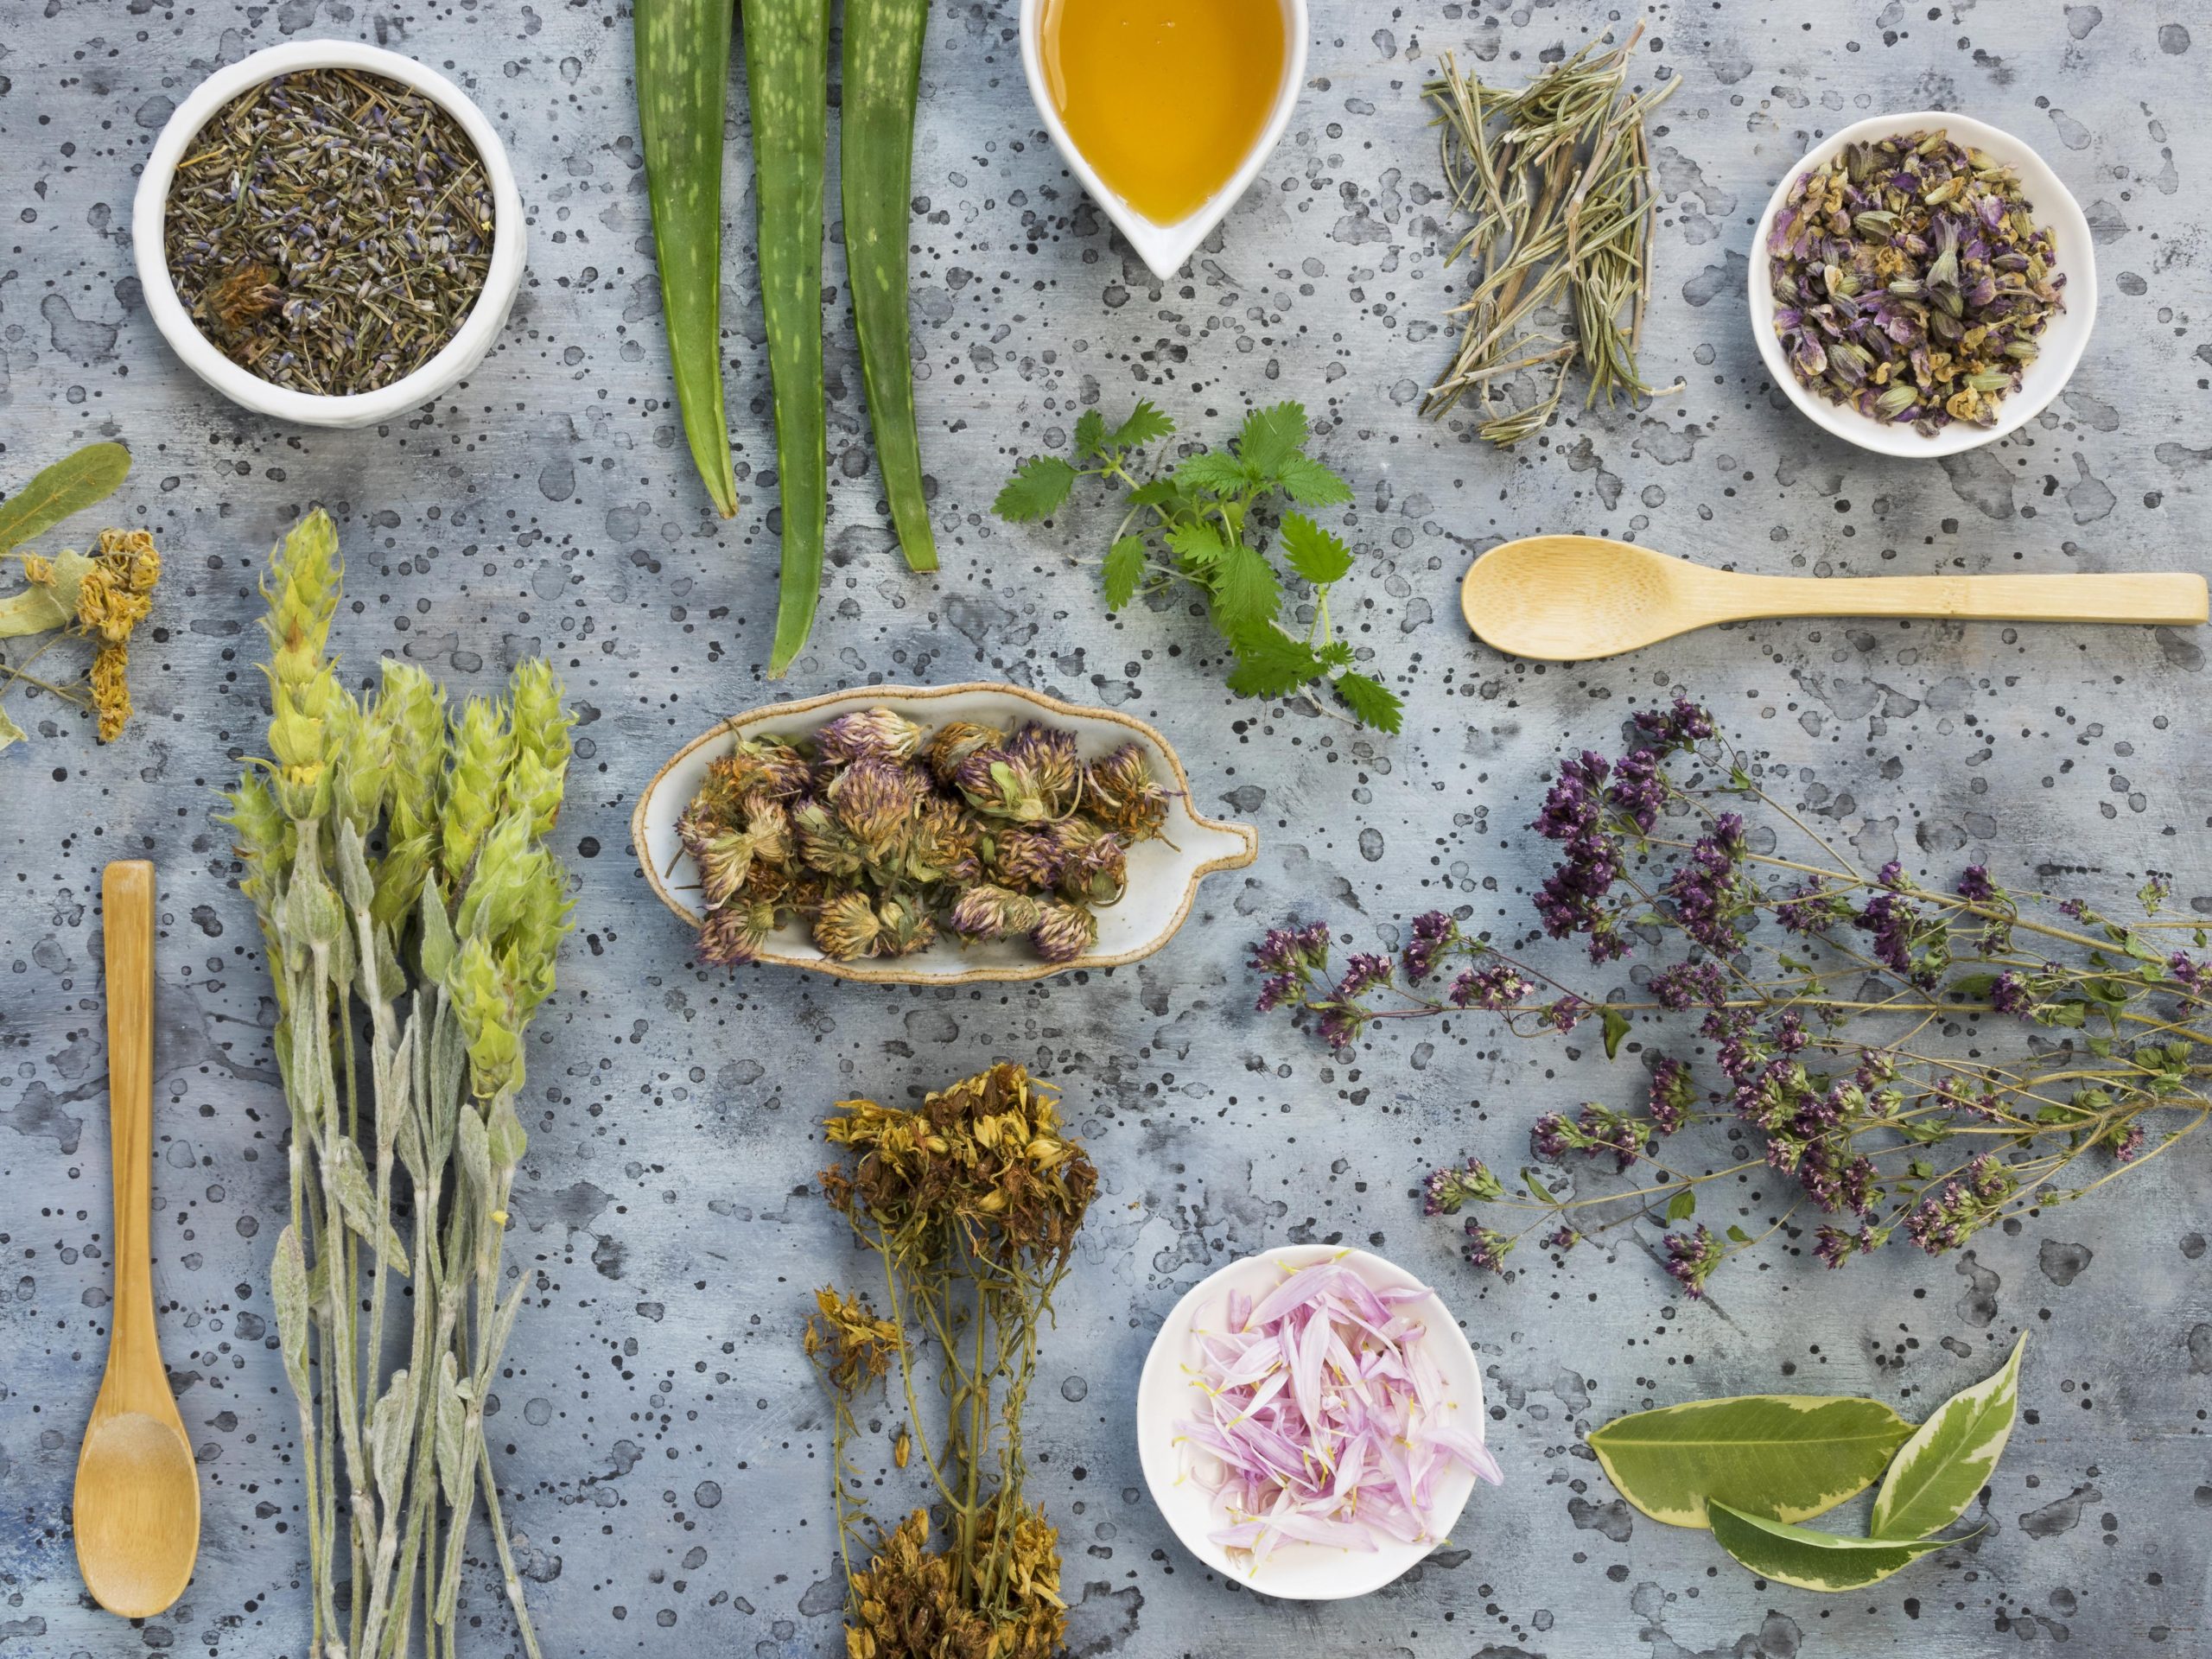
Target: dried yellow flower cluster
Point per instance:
(100, 597)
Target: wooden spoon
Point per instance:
(1567, 598)
(137, 1506)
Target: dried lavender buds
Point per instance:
(1911, 280)
(881, 837)
(330, 230)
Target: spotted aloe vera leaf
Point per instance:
(1809, 1559)
(787, 73)
(1941, 1470)
(883, 70)
(683, 74)
(1784, 1455)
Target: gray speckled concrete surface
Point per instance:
(663, 1448)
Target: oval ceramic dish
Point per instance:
(1295, 1571)
(149, 210)
(1163, 874)
(2061, 340)
(1165, 248)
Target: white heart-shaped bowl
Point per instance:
(2063, 338)
(1165, 1394)
(1165, 248)
(453, 362)
(1163, 874)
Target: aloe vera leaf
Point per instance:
(883, 70)
(69, 485)
(683, 74)
(787, 73)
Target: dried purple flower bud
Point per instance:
(1064, 932)
(1446, 1189)
(955, 741)
(1691, 1258)
(1048, 755)
(846, 927)
(1121, 792)
(1486, 1248)
(736, 934)
(1026, 859)
(876, 800)
(875, 733)
(989, 912)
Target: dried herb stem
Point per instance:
(1556, 178)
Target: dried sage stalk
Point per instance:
(1557, 178)
(395, 855)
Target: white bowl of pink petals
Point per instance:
(1310, 1421)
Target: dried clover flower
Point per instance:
(877, 836)
(1911, 280)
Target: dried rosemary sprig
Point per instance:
(877, 834)
(972, 1203)
(440, 949)
(99, 597)
(1557, 178)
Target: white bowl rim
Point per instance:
(2046, 377)
(149, 211)
(1165, 249)
(1247, 839)
(1394, 1560)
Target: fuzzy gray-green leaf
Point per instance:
(1939, 1470)
(1811, 1559)
(390, 1439)
(288, 1292)
(1785, 1455)
(452, 1429)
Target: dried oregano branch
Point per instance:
(971, 1205)
(1843, 1024)
(395, 858)
(1557, 179)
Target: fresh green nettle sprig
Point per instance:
(395, 855)
(1194, 526)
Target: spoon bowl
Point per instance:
(1572, 598)
(138, 1509)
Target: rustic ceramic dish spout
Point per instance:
(1163, 874)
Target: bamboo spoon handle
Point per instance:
(127, 901)
(2173, 598)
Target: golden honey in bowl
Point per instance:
(1165, 98)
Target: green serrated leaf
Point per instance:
(1091, 436)
(1615, 1027)
(1270, 663)
(1037, 490)
(1337, 653)
(1199, 545)
(1737, 1235)
(1156, 492)
(1146, 424)
(1310, 483)
(1941, 1470)
(1789, 1456)
(69, 485)
(1247, 597)
(1682, 1205)
(1271, 437)
(1313, 552)
(1372, 703)
(1211, 471)
(1811, 1559)
(1124, 570)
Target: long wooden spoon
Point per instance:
(1567, 599)
(138, 1508)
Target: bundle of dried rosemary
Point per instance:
(441, 945)
(973, 1203)
(1557, 179)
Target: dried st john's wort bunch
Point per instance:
(972, 1202)
(98, 598)
(395, 855)
(1911, 281)
(879, 836)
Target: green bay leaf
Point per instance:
(1789, 1456)
(1809, 1559)
(1941, 1470)
(69, 485)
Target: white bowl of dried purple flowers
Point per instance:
(328, 232)
(1921, 284)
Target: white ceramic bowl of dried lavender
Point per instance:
(364, 177)
(2057, 346)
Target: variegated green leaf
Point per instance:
(1937, 1472)
(1791, 1456)
(1809, 1559)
